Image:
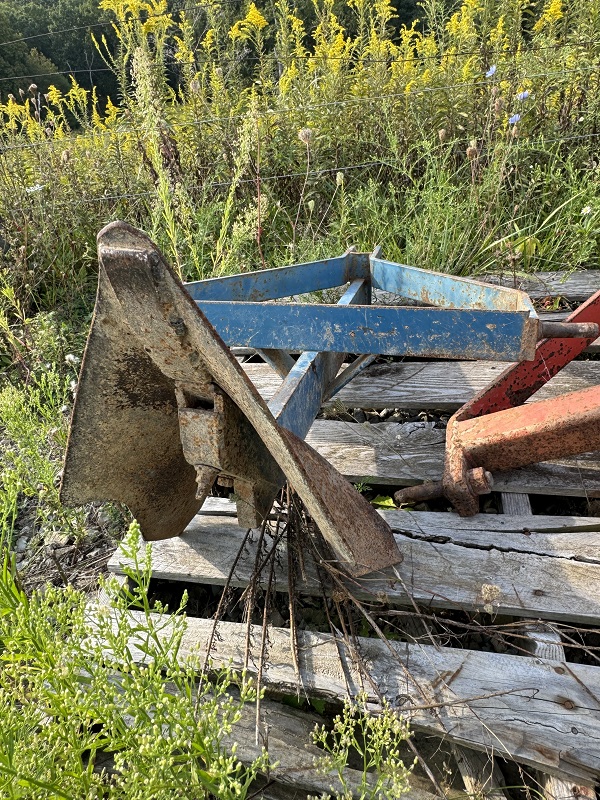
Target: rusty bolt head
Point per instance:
(480, 480)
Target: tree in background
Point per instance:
(20, 65)
(61, 34)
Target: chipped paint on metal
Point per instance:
(146, 306)
(496, 431)
(385, 330)
(445, 291)
(271, 284)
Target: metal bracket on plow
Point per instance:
(495, 431)
(163, 409)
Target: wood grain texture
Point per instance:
(443, 385)
(387, 453)
(544, 642)
(475, 566)
(538, 712)
(286, 734)
(514, 505)
(575, 286)
(481, 775)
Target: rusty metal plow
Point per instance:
(494, 431)
(163, 409)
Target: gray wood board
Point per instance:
(443, 385)
(395, 454)
(571, 285)
(287, 737)
(543, 713)
(541, 567)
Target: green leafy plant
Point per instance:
(383, 501)
(373, 741)
(99, 701)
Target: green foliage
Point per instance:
(33, 429)
(39, 370)
(60, 34)
(72, 691)
(20, 65)
(276, 134)
(384, 501)
(371, 740)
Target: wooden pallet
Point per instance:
(540, 711)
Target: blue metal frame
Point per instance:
(457, 318)
(386, 330)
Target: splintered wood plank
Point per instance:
(443, 385)
(561, 536)
(539, 712)
(544, 642)
(391, 453)
(476, 566)
(481, 775)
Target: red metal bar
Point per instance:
(518, 382)
(562, 426)
(495, 431)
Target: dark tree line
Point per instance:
(44, 41)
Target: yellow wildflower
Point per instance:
(498, 37)
(54, 95)
(252, 23)
(112, 111)
(209, 40)
(287, 79)
(553, 11)
(255, 18)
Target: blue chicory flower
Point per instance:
(523, 95)
(514, 119)
(491, 71)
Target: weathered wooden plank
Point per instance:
(569, 537)
(287, 738)
(442, 568)
(543, 642)
(576, 286)
(392, 453)
(444, 385)
(481, 774)
(539, 712)
(516, 505)
(286, 734)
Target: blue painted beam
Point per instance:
(444, 291)
(270, 284)
(299, 398)
(387, 330)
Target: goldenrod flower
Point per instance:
(255, 18)
(252, 23)
(552, 12)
